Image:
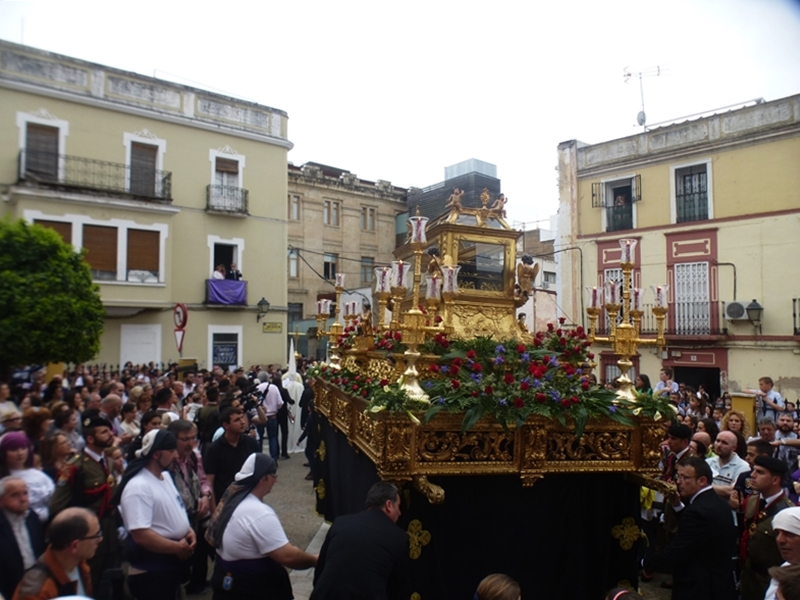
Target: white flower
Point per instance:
(636, 411)
(674, 408)
(413, 418)
(657, 416)
(377, 408)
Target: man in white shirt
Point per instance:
(271, 402)
(155, 517)
(665, 386)
(252, 548)
(727, 464)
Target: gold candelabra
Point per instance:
(625, 337)
(335, 330)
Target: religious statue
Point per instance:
(526, 274)
(499, 205)
(454, 201)
(435, 265)
(521, 323)
(365, 322)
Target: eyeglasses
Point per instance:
(680, 477)
(96, 536)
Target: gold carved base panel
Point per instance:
(403, 451)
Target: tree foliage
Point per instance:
(50, 311)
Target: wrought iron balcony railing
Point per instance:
(59, 170)
(684, 319)
(224, 198)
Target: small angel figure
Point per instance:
(454, 201)
(521, 322)
(526, 274)
(499, 205)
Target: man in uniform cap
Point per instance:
(786, 525)
(86, 481)
(759, 549)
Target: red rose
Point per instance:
(364, 393)
(540, 397)
(455, 384)
(520, 348)
(384, 382)
(565, 403)
(537, 342)
(518, 403)
(476, 368)
(438, 319)
(357, 377)
(434, 367)
(559, 332)
(398, 336)
(573, 400)
(579, 329)
(508, 379)
(488, 390)
(369, 380)
(471, 354)
(457, 362)
(550, 327)
(524, 386)
(569, 369)
(345, 381)
(562, 320)
(590, 355)
(454, 369)
(585, 385)
(445, 344)
(474, 393)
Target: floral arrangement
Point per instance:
(390, 342)
(508, 380)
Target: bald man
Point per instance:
(727, 465)
(62, 570)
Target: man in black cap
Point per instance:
(759, 549)
(252, 548)
(678, 438)
(156, 519)
(86, 481)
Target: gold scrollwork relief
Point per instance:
(417, 538)
(398, 444)
(434, 493)
(322, 451)
(591, 446)
(627, 533)
(535, 445)
(320, 489)
(438, 446)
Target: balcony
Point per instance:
(87, 174)
(226, 199)
(226, 292)
(684, 320)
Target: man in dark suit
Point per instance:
(364, 555)
(21, 534)
(700, 556)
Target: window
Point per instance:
(225, 252)
(225, 345)
(367, 218)
(329, 266)
(101, 251)
(61, 228)
(294, 207)
(330, 212)
(41, 151)
(294, 264)
(692, 307)
(618, 198)
(691, 194)
(143, 255)
(367, 265)
(548, 277)
(619, 216)
(143, 169)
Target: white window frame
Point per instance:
(147, 138)
(42, 117)
(673, 206)
(294, 261)
(238, 253)
(609, 183)
(122, 226)
(292, 198)
(228, 154)
(237, 329)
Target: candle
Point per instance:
(354, 308)
(346, 309)
(660, 293)
(319, 307)
(434, 287)
(399, 271)
(326, 307)
(340, 280)
(595, 296)
(450, 283)
(418, 229)
(611, 291)
(627, 247)
(638, 294)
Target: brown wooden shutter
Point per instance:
(143, 250)
(61, 228)
(227, 166)
(143, 169)
(41, 151)
(101, 247)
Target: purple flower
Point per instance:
(503, 402)
(525, 357)
(555, 395)
(499, 349)
(443, 369)
(428, 384)
(498, 360)
(476, 377)
(440, 400)
(612, 409)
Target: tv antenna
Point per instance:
(656, 71)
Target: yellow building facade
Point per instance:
(715, 206)
(160, 183)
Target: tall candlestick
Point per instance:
(340, 280)
(399, 273)
(628, 247)
(450, 283)
(434, 287)
(638, 297)
(418, 229)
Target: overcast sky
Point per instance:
(398, 91)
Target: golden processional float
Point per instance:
(497, 436)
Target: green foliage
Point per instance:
(50, 311)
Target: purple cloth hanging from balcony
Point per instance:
(226, 291)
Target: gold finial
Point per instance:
(416, 214)
(485, 197)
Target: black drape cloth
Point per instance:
(554, 538)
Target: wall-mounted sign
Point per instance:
(272, 327)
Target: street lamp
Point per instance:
(754, 312)
(263, 309)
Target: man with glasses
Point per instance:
(192, 484)
(74, 537)
(701, 554)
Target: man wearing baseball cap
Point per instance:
(786, 526)
(759, 550)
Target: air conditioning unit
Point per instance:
(545, 285)
(736, 311)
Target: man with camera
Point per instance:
(226, 455)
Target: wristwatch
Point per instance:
(783, 441)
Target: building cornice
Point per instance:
(104, 202)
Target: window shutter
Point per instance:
(41, 151)
(143, 169)
(227, 166)
(143, 249)
(636, 196)
(101, 247)
(597, 195)
(61, 228)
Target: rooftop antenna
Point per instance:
(656, 71)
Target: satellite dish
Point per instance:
(641, 118)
